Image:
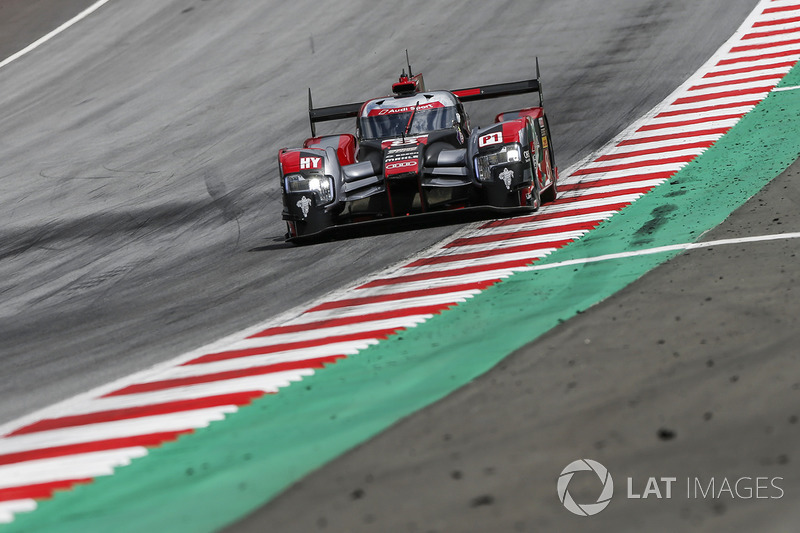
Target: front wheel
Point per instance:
(551, 193)
(529, 197)
(291, 230)
(312, 219)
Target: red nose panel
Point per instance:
(401, 159)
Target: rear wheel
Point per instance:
(551, 193)
(531, 195)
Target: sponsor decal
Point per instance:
(304, 203)
(310, 162)
(407, 165)
(404, 109)
(544, 133)
(507, 176)
(421, 139)
(459, 135)
(490, 139)
(403, 158)
(401, 148)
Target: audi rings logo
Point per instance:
(402, 164)
(587, 509)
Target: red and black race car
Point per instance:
(414, 152)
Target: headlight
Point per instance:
(321, 186)
(509, 153)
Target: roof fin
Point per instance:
(310, 107)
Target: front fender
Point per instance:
(489, 154)
(311, 183)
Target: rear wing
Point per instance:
(334, 112)
(502, 89)
(337, 112)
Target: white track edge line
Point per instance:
(664, 249)
(71, 22)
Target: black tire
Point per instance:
(316, 221)
(551, 193)
(536, 198)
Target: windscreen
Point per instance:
(391, 123)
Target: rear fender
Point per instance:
(532, 112)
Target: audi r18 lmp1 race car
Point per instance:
(414, 152)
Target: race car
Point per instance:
(413, 153)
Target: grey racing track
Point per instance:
(141, 215)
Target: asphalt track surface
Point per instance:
(139, 199)
(141, 218)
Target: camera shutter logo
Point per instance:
(587, 509)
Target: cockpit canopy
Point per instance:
(421, 113)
